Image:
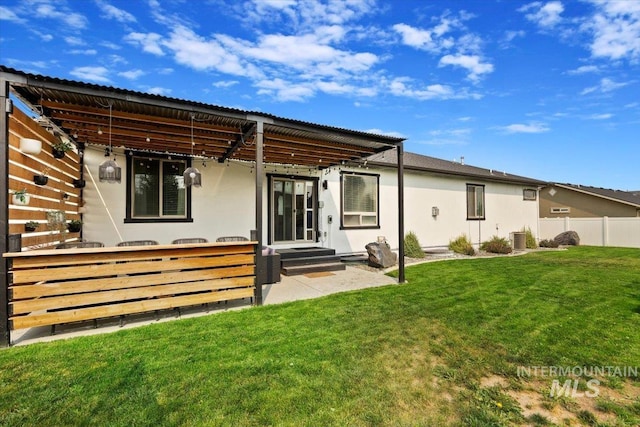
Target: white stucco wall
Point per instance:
(225, 206)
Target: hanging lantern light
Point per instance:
(109, 171)
(191, 175)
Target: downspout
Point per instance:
(400, 213)
(260, 267)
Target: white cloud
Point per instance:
(616, 30)
(94, 74)
(604, 116)
(545, 15)
(225, 84)
(471, 63)
(111, 12)
(150, 42)
(132, 74)
(415, 37)
(524, 128)
(377, 131)
(157, 90)
(7, 14)
(70, 19)
(403, 86)
(585, 69)
(83, 52)
(433, 39)
(285, 91)
(606, 85)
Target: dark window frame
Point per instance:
(342, 213)
(526, 191)
(484, 206)
(129, 218)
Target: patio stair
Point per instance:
(309, 260)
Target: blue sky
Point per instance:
(548, 90)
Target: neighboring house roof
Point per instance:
(419, 162)
(627, 197)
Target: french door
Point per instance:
(293, 210)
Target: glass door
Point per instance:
(293, 212)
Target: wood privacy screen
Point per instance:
(58, 194)
(50, 287)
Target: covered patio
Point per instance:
(123, 124)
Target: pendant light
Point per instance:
(109, 171)
(192, 176)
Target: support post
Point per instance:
(400, 213)
(5, 103)
(260, 265)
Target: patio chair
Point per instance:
(190, 240)
(68, 245)
(232, 239)
(138, 243)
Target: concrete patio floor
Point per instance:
(290, 288)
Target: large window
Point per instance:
(475, 201)
(360, 201)
(156, 190)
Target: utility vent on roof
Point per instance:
(560, 210)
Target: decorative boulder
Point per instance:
(380, 255)
(568, 238)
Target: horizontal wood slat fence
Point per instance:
(50, 287)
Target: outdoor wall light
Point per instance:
(435, 211)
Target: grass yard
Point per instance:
(444, 349)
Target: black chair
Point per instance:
(138, 243)
(190, 240)
(68, 245)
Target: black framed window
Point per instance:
(475, 201)
(360, 200)
(156, 190)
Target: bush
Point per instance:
(546, 243)
(530, 239)
(497, 245)
(412, 247)
(462, 245)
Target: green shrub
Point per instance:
(497, 245)
(412, 247)
(546, 243)
(462, 245)
(530, 239)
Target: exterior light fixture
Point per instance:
(109, 171)
(191, 175)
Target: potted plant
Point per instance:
(21, 197)
(79, 183)
(41, 179)
(74, 226)
(31, 225)
(60, 147)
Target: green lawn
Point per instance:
(443, 349)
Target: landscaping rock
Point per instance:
(380, 255)
(568, 238)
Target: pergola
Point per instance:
(141, 122)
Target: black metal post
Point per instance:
(400, 213)
(260, 265)
(5, 105)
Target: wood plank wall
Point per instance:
(49, 197)
(50, 287)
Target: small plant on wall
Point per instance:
(21, 197)
(42, 178)
(60, 147)
(31, 226)
(74, 226)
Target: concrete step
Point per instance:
(324, 259)
(304, 252)
(313, 268)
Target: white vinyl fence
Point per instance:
(605, 231)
